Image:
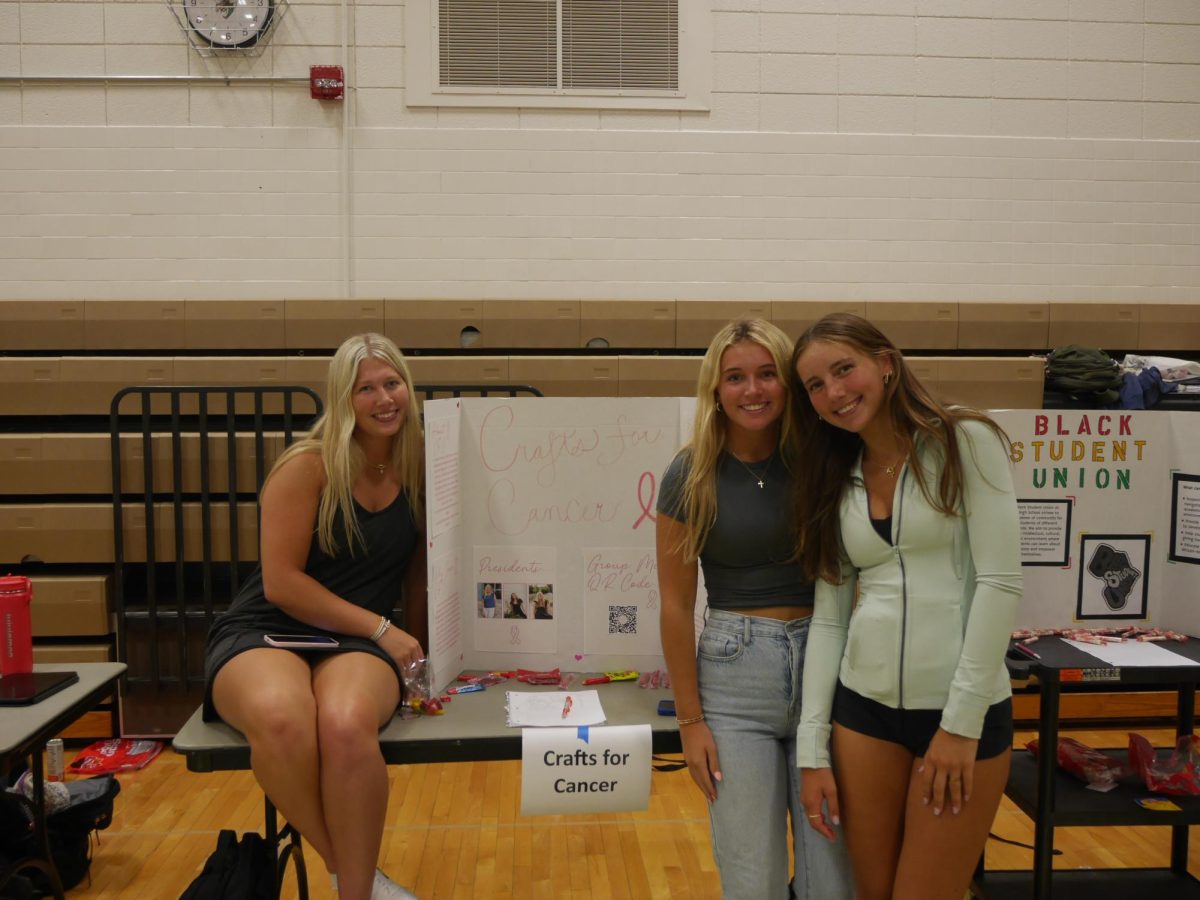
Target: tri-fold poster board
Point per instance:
(540, 525)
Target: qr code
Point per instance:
(622, 620)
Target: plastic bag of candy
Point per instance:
(418, 689)
(1177, 774)
(114, 755)
(1099, 770)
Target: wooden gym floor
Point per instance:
(454, 831)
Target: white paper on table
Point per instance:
(1130, 654)
(545, 709)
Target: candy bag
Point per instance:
(418, 689)
(1085, 763)
(115, 755)
(1176, 775)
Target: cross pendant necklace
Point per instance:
(755, 475)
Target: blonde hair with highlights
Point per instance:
(332, 438)
(699, 496)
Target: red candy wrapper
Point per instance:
(430, 707)
(1085, 763)
(529, 676)
(115, 755)
(1176, 775)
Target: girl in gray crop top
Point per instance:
(724, 509)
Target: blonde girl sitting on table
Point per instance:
(341, 545)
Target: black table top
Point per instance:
(1065, 663)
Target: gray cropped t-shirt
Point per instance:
(746, 555)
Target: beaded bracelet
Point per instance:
(690, 721)
(381, 628)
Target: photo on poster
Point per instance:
(1045, 532)
(541, 601)
(487, 602)
(516, 600)
(509, 582)
(1185, 518)
(1113, 573)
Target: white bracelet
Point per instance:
(381, 629)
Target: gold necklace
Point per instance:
(381, 468)
(891, 470)
(755, 475)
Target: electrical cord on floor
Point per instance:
(996, 837)
(667, 764)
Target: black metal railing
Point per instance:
(204, 455)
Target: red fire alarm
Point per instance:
(326, 82)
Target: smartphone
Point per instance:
(301, 641)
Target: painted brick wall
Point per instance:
(940, 149)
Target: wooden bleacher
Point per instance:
(62, 361)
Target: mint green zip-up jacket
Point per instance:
(935, 610)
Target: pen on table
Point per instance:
(567, 706)
(1025, 651)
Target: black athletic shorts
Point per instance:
(915, 728)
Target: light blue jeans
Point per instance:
(749, 673)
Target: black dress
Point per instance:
(372, 578)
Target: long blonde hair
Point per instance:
(699, 496)
(332, 438)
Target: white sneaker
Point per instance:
(386, 889)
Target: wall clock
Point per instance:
(229, 24)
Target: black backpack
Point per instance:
(236, 870)
(69, 830)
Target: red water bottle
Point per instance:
(16, 632)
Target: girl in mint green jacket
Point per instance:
(909, 524)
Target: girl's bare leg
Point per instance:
(267, 695)
(357, 693)
(873, 786)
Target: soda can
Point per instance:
(55, 769)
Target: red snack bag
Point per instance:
(1176, 775)
(115, 755)
(1085, 763)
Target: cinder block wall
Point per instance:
(855, 149)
